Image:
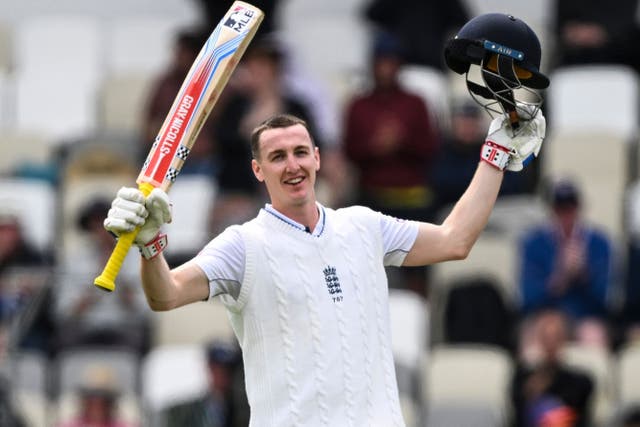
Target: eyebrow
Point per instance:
(282, 150)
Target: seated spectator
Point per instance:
(24, 271)
(219, 407)
(566, 264)
(98, 401)
(458, 157)
(631, 417)
(586, 32)
(421, 25)
(390, 140)
(545, 392)
(84, 314)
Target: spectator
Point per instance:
(187, 45)
(23, 285)
(391, 139)
(422, 26)
(629, 316)
(83, 315)
(588, 32)
(98, 401)
(567, 264)
(218, 408)
(457, 159)
(260, 95)
(631, 417)
(547, 393)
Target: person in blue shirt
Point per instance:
(567, 264)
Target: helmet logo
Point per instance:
(503, 50)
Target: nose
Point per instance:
(292, 163)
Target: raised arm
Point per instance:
(164, 288)
(454, 238)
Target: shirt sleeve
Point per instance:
(398, 237)
(223, 261)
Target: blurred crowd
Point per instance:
(577, 283)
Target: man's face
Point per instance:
(287, 163)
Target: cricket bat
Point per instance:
(197, 96)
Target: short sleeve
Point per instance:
(398, 237)
(223, 262)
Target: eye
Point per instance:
(277, 156)
(302, 152)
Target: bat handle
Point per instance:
(107, 280)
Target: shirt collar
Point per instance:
(317, 232)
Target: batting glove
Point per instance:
(130, 209)
(504, 150)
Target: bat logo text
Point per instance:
(239, 19)
(175, 127)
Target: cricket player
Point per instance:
(305, 285)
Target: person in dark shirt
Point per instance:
(587, 31)
(390, 139)
(546, 392)
(420, 25)
(24, 292)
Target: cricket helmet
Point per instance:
(508, 53)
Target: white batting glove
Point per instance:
(503, 150)
(130, 209)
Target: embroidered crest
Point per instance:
(333, 283)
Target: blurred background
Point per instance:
(539, 326)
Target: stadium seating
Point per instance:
(121, 102)
(598, 364)
(409, 337)
(27, 150)
(432, 85)
(29, 377)
(580, 106)
(628, 372)
(195, 324)
(466, 386)
(172, 374)
(136, 44)
(58, 63)
(35, 203)
(193, 197)
(78, 367)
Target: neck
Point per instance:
(306, 214)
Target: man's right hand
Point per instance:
(130, 209)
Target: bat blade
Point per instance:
(197, 96)
(199, 92)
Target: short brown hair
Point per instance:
(274, 122)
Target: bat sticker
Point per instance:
(182, 152)
(239, 19)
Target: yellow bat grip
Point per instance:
(107, 280)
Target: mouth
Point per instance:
(294, 181)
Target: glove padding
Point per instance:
(130, 209)
(527, 141)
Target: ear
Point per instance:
(316, 154)
(257, 170)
